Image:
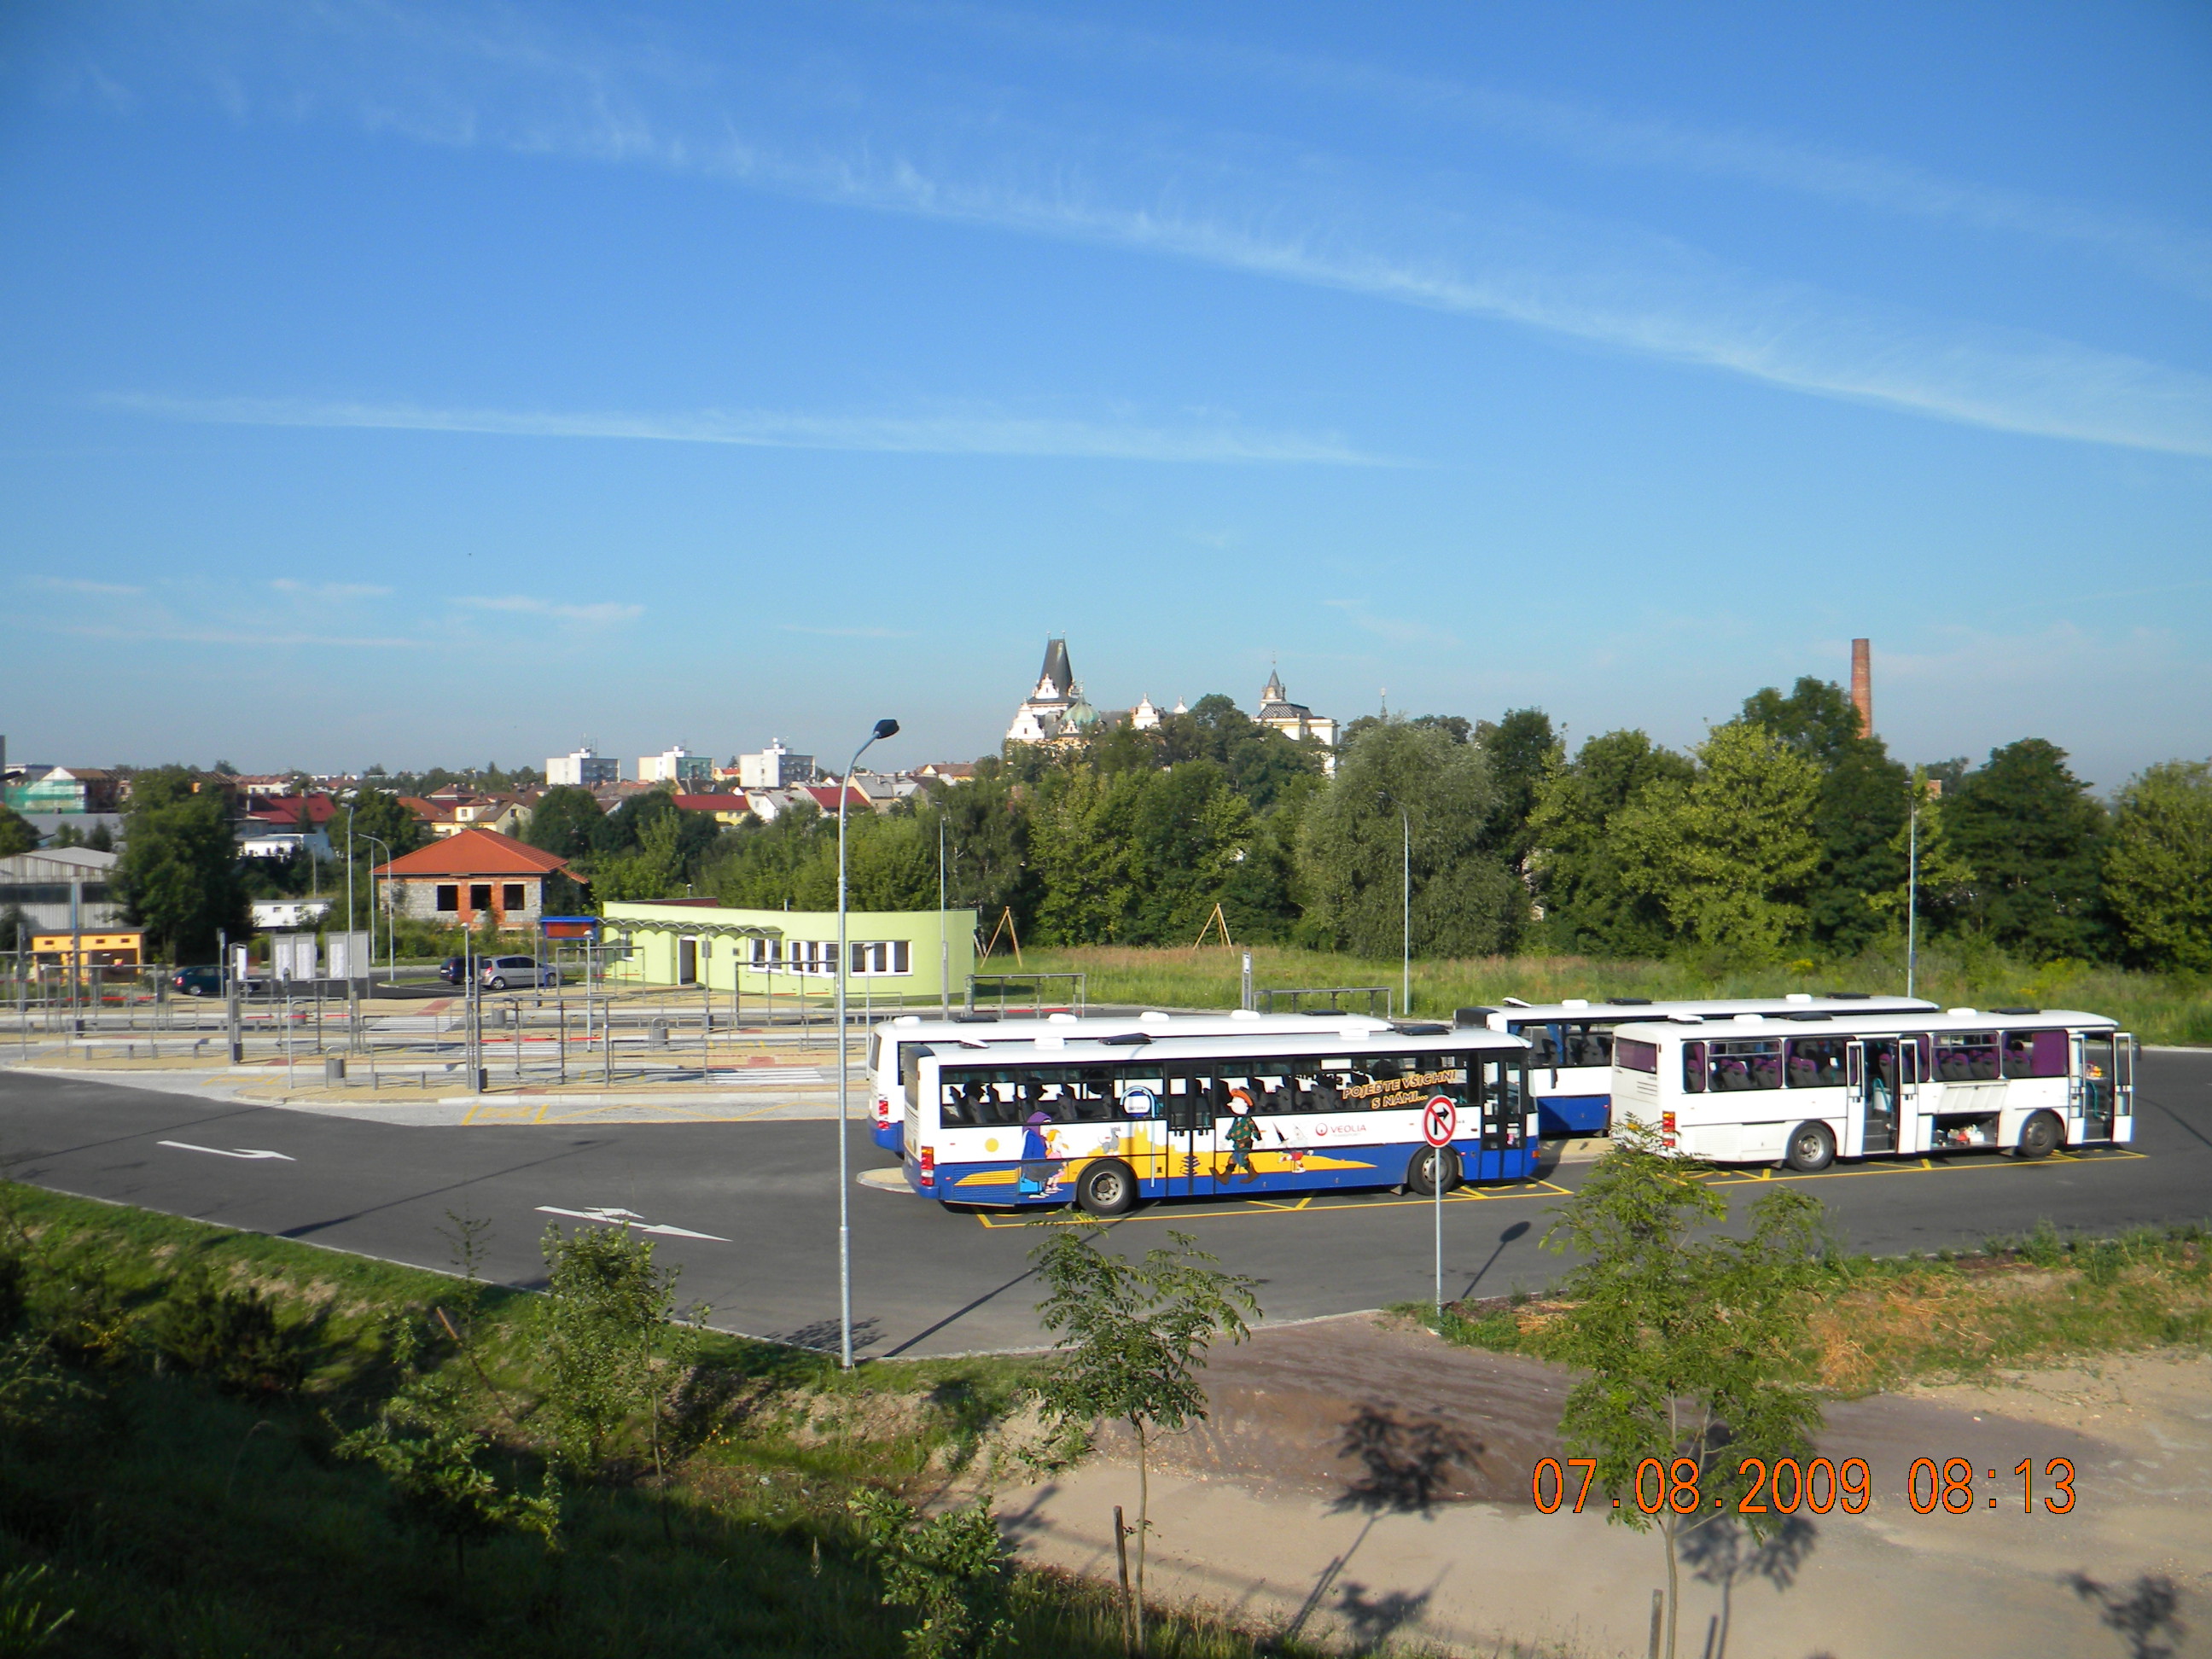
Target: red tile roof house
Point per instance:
(456, 881)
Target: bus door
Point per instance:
(2124, 1086)
(1877, 1070)
(1190, 1138)
(2095, 1088)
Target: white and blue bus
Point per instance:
(1571, 1043)
(1102, 1121)
(889, 1043)
(1806, 1088)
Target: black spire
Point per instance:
(1055, 666)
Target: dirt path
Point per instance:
(1362, 1480)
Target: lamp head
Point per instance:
(885, 729)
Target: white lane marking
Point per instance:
(218, 1151)
(631, 1218)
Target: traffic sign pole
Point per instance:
(1439, 1121)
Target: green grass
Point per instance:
(2158, 1008)
(178, 1519)
(2017, 1303)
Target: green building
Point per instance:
(895, 955)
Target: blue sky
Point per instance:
(404, 384)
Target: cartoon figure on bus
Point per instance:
(1243, 1132)
(1040, 1174)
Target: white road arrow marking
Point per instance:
(220, 1151)
(637, 1222)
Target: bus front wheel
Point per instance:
(1811, 1147)
(2041, 1136)
(1421, 1173)
(1107, 1188)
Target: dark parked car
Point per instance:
(203, 982)
(454, 970)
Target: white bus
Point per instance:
(1571, 1043)
(1102, 1121)
(889, 1042)
(1805, 1088)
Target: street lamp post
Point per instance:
(391, 927)
(883, 729)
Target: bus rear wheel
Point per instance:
(2041, 1136)
(1811, 1147)
(1107, 1188)
(1421, 1173)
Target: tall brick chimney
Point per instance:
(1862, 685)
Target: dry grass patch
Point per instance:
(2038, 1301)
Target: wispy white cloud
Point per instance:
(1399, 631)
(329, 590)
(76, 585)
(2180, 256)
(189, 635)
(604, 611)
(952, 433)
(851, 633)
(505, 80)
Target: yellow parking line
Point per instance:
(1255, 1205)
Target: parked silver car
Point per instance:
(503, 973)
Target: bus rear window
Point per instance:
(1636, 1056)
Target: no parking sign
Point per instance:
(1439, 1121)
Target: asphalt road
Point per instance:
(927, 1281)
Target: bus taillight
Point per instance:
(1666, 1128)
(928, 1166)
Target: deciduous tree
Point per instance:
(2158, 866)
(1727, 854)
(1691, 1346)
(1132, 1339)
(178, 876)
(1575, 859)
(2033, 835)
(1465, 901)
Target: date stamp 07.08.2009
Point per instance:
(1931, 1486)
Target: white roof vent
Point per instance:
(1799, 996)
(1151, 1019)
(1515, 1002)
(1059, 1019)
(1576, 1002)
(908, 1019)
(1051, 1040)
(1244, 1013)
(1962, 1010)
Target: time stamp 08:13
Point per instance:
(1787, 1486)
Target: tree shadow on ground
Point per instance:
(1405, 1468)
(1371, 1621)
(1724, 1553)
(2144, 1614)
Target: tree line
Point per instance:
(1786, 831)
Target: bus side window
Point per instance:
(1815, 1062)
(1693, 1068)
(1587, 1045)
(1543, 1043)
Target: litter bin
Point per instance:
(659, 1033)
(334, 1068)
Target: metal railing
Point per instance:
(983, 988)
(1294, 1001)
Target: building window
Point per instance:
(881, 956)
(513, 899)
(449, 898)
(480, 896)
